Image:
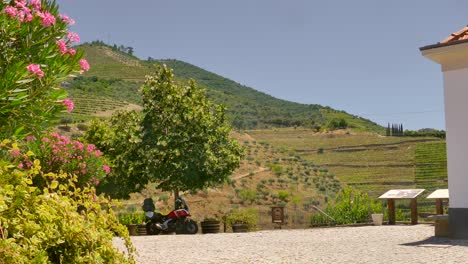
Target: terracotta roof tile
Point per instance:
(459, 35)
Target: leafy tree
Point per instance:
(185, 137)
(180, 140)
(120, 140)
(35, 57)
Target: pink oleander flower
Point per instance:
(48, 19)
(71, 51)
(84, 66)
(36, 4)
(21, 3)
(29, 17)
(62, 46)
(69, 104)
(90, 148)
(11, 11)
(64, 18)
(73, 37)
(36, 69)
(106, 168)
(67, 19)
(15, 152)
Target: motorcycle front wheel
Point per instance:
(191, 227)
(151, 229)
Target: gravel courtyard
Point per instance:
(368, 244)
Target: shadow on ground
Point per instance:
(438, 242)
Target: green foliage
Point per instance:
(246, 108)
(135, 218)
(350, 207)
(243, 216)
(28, 102)
(248, 195)
(164, 197)
(180, 140)
(58, 223)
(185, 138)
(283, 195)
(431, 165)
(337, 123)
(120, 139)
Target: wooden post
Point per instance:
(439, 207)
(391, 211)
(414, 211)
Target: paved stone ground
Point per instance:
(368, 244)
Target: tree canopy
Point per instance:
(180, 140)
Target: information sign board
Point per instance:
(402, 194)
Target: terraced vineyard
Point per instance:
(369, 162)
(431, 166)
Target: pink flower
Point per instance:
(21, 3)
(20, 166)
(64, 18)
(90, 148)
(84, 65)
(15, 152)
(62, 46)
(36, 69)
(11, 11)
(106, 168)
(79, 145)
(72, 51)
(36, 4)
(69, 104)
(30, 138)
(97, 153)
(48, 19)
(67, 19)
(29, 17)
(73, 37)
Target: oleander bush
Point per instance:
(58, 222)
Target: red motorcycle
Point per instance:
(177, 221)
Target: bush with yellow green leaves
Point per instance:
(57, 223)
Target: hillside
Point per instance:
(301, 169)
(246, 107)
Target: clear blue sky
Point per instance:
(360, 56)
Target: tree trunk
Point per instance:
(176, 196)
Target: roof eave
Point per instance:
(439, 45)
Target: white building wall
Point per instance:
(456, 119)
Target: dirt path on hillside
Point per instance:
(261, 169)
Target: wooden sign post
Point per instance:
(277, 215)
(393, 195)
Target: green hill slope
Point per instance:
(246, 107)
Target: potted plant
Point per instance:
(133, 221)
(210, 225)
(377, 213)
(242, 220)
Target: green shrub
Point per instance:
(248, 195)
(56, 223)
(243, 216)
(351, 206)
(132, 218)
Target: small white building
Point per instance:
(452, 55)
